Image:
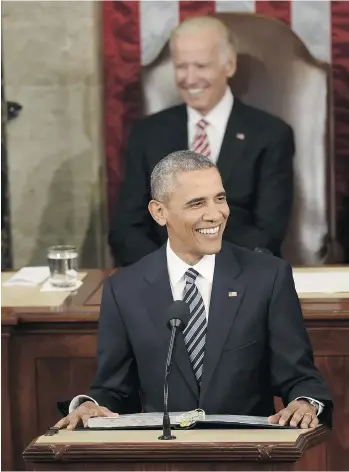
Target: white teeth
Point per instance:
(194, 91)
(209, 230)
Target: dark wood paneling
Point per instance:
(155, 467)
(314, 459)
(54, 366)
(6, 420)
(330, 341)
(335, 370)
(60, 379)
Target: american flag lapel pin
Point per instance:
(240, 136)
(232, 294)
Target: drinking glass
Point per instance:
(63, 265)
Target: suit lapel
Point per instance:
(157, 298)
(233, 144)
(222, 312)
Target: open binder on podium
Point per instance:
(180, 420)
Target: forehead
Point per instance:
(203, 42)
(204, 183)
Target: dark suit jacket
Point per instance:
(256, 171)
(256, 345)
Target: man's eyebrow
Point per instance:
(195, 200)
(201, 199)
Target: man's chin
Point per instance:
(195, 101)
(211, 248)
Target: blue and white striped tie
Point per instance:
(195, 331)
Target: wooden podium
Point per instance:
(205, 449)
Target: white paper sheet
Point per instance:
(329, 281)
(29, 276)
(139, 420)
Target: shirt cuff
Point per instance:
(76, 401)
(319, 404)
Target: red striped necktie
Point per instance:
(201, 144)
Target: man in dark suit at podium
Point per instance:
(252, 149)
(245, 341)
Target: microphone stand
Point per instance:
(166, 422)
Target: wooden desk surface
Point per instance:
(73, 307)
(233, 436)
(17, 296)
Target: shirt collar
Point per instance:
(219, 114)
(177, 267)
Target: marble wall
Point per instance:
(51, 57)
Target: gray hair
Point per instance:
(228, 42)
(163, 177)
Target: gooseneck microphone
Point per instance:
(177, 317)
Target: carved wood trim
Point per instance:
(174, 452)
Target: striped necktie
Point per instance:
(201, 144)
(195, 331)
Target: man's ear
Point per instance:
(158, 212)
(231, 65)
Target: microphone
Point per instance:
(177, 315)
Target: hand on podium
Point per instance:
(82, 413)
(297, 413)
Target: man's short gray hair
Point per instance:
(163, 177)
(228, 41)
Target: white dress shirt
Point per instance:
(217, 120)
(176, 270)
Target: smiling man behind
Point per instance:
(245, 341)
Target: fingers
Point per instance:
(274, 419)
(309, 421)
(304, 421)
(73, 422)
(296, 414)
(106, 412)
(69, 421)
(62, 423)
(314, 423)
(86, 416)
(83, 413)
(285, 416)
(87, 413)
(301, 416)
(96, 411)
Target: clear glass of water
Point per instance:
(63, 265)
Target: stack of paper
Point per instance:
(29, 276)
(317, 281)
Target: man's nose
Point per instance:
(191, 76)
(212, 213)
